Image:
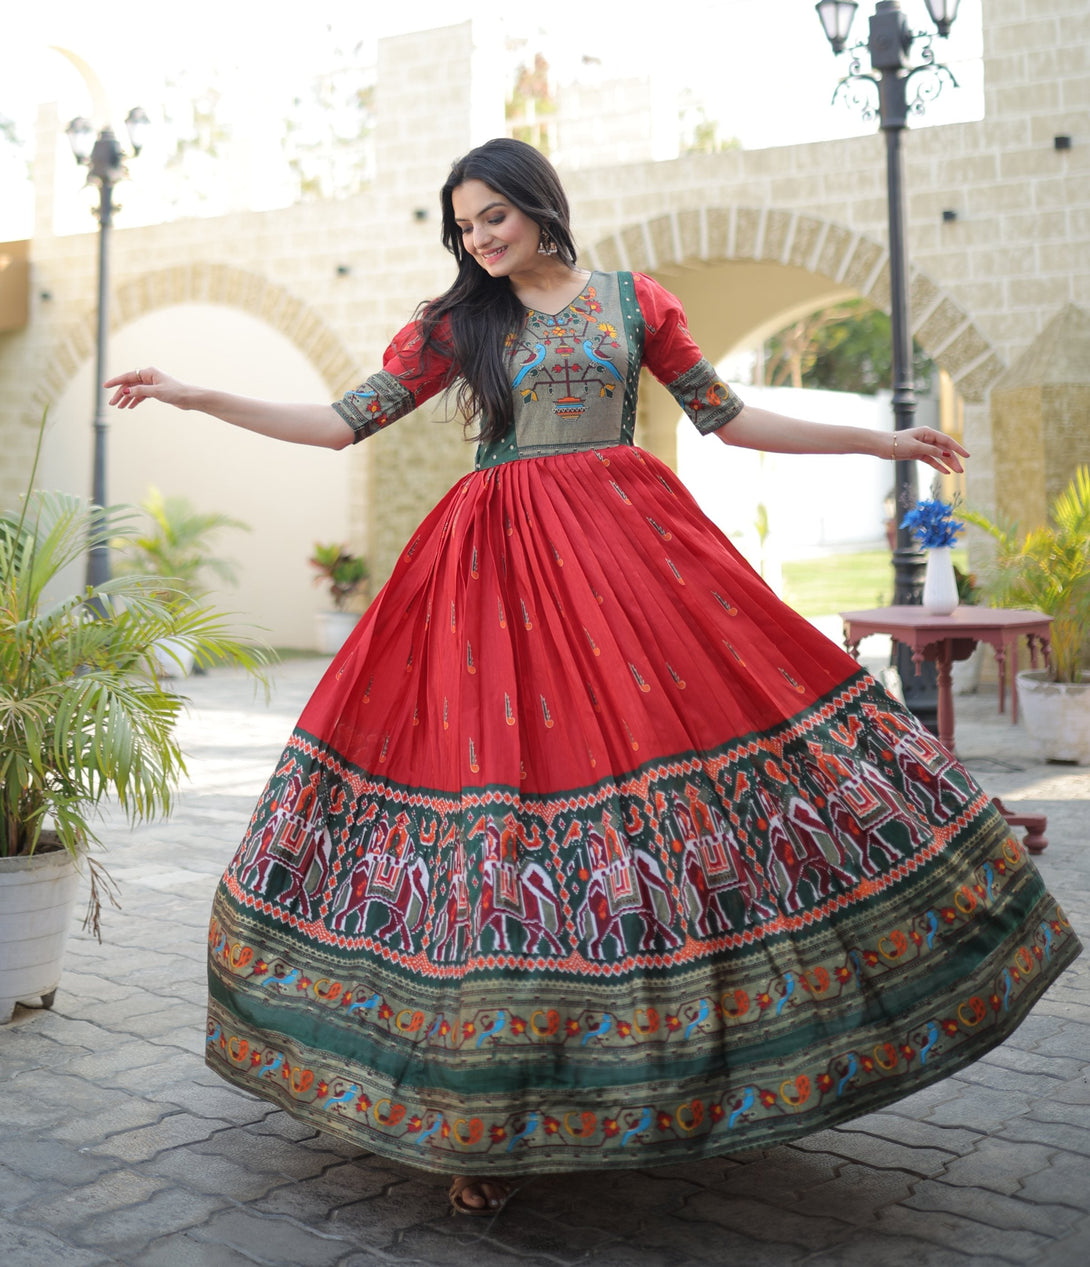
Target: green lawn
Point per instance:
(841, 582)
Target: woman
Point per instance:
(587, 851)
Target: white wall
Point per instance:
(290, 495)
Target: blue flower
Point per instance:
(932, 523)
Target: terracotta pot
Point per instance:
(37, 898)
(1056, 716)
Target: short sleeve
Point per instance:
(671, 354)
(411, 374)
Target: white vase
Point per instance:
(940, 585)
(37, 896)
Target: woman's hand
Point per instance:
(135, 386)
(925, 444)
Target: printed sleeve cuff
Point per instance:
(705, 398)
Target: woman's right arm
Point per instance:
(319, 425)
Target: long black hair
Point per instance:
(484, 310)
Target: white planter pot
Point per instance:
(173, 659)
(940, 585)
(331, 630)
(37, 897)
(1056, 716)
(965, 674)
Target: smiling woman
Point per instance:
(587, 852)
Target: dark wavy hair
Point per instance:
(484, 310)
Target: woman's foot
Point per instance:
(473, 1194)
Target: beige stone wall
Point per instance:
(746, 238)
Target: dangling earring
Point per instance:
(546, 246)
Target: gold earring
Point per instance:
(546, 246)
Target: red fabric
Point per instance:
(559, 620)
(424, 371)
(669, 349)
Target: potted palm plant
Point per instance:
(344, 575)
(175, 544)
(84, 716)
(1048, 569)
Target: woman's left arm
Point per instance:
(755, 428)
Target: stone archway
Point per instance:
(775, 265)
(846, 261)
(201, 282)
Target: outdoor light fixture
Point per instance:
(883, 93)
(836, 17)
(104, 159)
(943, 13)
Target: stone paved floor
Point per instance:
(118, 1147)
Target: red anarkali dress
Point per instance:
(589, 852)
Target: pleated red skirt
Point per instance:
(587, 851)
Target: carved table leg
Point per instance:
(1035, 839)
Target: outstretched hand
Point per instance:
(934, 448)
(135, 386)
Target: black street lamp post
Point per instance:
(884, 93)
(104, 159)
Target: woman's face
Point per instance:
(501, 238)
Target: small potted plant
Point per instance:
(84, 715)
(344, 575)
(933, 525)
(1047, 569)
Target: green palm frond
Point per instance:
(1047, 568)
(83, 714)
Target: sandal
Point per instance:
(461, 1184)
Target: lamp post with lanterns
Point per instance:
(884, 93)
(890, 91)
(103, 157)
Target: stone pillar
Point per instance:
(1040, 413)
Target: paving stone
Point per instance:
(273, 1239)
(872, 1150)
(1065, 1181)
(16, 1190)
(992, 1208)
(202, 1172)
(962, 1233)
(398, 1205)
(1071, 1250)
(324, 1195)
(1007, 1079)
(997, 1165)
(34, 1247)
(182, 1249)
(219, 1100)
(916, 1133)
(66, 1213)
(51, 1160)
(789, 1171)
(148, 1141)
(124, 1232)
(1038, 1062)
(430, 1245)
(1074, 1091)
(900, 1251)
(857, 1193)
(1055, 1135)
(978, 1108)
(775, 1221)
(265, 1154)
(95, 1128)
